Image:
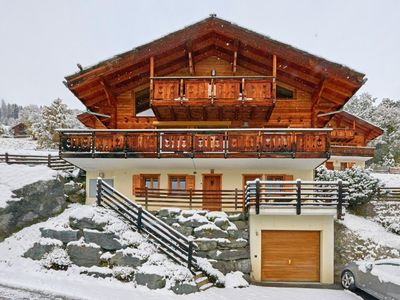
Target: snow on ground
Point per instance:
(389, 180)
(13, 177)
(19, 272)
(23, 146)
(367, 229)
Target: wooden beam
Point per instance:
(189, 50)
(274, 79)
(316, 96)
(235, 54)
(151, 77)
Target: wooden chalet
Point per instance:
(191, 119)
(19, 130)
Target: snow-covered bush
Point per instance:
(362, 186)
(57, 259)
(124, 274)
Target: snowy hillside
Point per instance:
(389, 180)
(23, 146)
(13, 177)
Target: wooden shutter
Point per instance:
(290, 186)
(190, 182)
(136, 183)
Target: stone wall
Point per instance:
(221, 238)
(37, 201)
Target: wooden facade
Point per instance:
(215, 74)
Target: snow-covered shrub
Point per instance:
(123, 273)
(235, 280)
(57, 259)
(362, 186)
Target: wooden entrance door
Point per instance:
(212, 191)
(290, 256)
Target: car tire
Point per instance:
(348, 280)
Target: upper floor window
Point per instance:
(142, 100)
(284, 93)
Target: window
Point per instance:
(284, 93)
(151, 181)
(142, 100)
(177, 182)
(93, 186)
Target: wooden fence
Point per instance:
(389, 194)
(227, 200)
(52, 161)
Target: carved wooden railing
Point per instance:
(339, 150)
(213, 88)
(342, 134)
(195, 143)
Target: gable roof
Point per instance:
(217, 37)
(371, 131)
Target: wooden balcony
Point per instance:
(199, 143)
(211, 98)
(338, 150)
(342, 135)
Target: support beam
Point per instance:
(274, 79)
(315, 99)
(151, 77)
(235, 54)
(190, 57)
(111, 99)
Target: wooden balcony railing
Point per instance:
(225, 143)
(342, 134)
(296, 194)
(163, 90)
(338, 150)
(227, 200)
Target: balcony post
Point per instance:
(99, 190)
(236, 198)
(146, 198)
(257, 196)
(49, 160)
(126, 144)
(92, 145)
(298, 202)
(190, 198)
(340, 199)
(139, 219)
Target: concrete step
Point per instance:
(206, 287)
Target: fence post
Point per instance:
(49, 160)
(99, 188)
(340, 199)
(146, 198)
(298, 202)
(190, 198)
(139, 220)
(190, 255)
(257, 196)
(236, 198)
(6, 157)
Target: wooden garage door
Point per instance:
(290, 255)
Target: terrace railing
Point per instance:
(174, 244)
(296, 194)
(227, 200)
(223, 143)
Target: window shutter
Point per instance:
(288, 178)
(136, 183)
(190, 182)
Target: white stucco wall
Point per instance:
(323, 224)
(231, 178)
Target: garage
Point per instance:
(290, 256)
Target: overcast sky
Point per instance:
(42, 41)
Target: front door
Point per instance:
(212, 191)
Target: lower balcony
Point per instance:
(351, 151)
(195, 143)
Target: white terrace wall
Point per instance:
(231, 178)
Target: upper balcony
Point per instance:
(199, 143)
(211, 98)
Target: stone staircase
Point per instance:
(202, 281)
